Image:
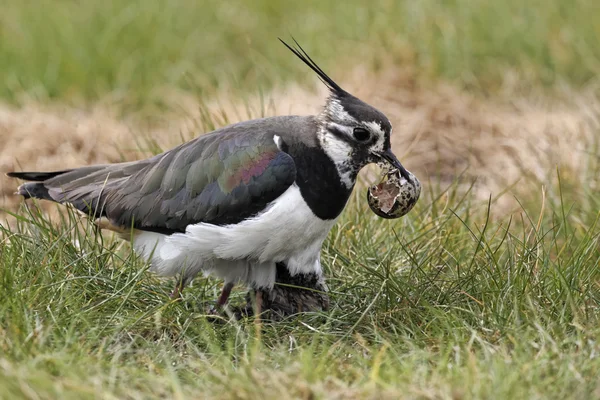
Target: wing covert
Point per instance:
(215, 179)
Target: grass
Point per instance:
(131, 51)
(452, 301)
(462, 298)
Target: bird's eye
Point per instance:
(361, 134)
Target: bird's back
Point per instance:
(221, 177)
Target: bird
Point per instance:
(239, 202)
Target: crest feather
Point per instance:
(303, 55)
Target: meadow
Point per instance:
(489, 288)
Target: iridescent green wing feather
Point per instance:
(218, 179)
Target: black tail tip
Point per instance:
(26, 176)
(35, 176)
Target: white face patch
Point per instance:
(339, 151)
(375, 127)
(341, 128)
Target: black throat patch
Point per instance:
(319, 181)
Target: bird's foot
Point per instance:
(291, 295)
(176, 294)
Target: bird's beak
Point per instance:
(391, 158)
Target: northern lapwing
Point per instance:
(238, 202)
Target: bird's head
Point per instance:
(352, 133)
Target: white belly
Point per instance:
(287, 231)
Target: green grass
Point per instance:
(452, 301)
(132, 50)
(456, 300)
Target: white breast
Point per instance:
(287, 231)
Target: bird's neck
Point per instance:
(340, 154)
(325, 190)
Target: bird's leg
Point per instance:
(259, 302)
(222, 300)
(303, 292)
(179, 286)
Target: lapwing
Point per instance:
(239, 202)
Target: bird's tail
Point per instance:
(35, 188)
(88, 189)
(82, 187)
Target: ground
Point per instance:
(489, 288)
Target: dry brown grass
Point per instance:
(439, 132)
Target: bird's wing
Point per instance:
(219, 178)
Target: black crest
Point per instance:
(303, 55)
(357, 108)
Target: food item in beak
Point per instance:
(395, 196)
